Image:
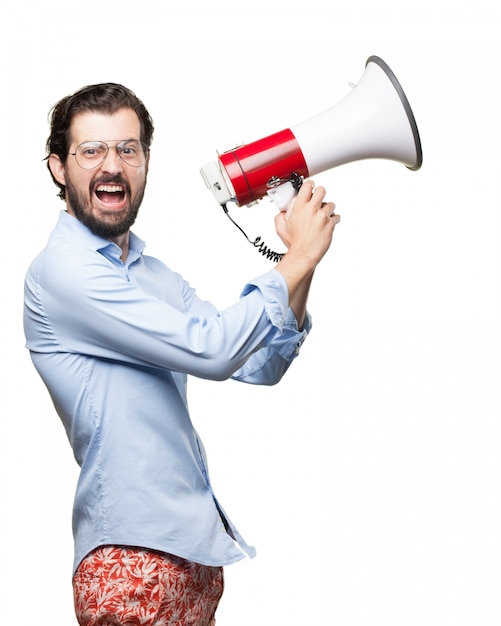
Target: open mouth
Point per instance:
(110, 193)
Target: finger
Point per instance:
(335, 218)
(329, 208)
(319, 194)
(306, 189)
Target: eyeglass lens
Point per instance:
(91, 153)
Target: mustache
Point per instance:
(110, 180)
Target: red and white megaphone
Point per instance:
(374, 121)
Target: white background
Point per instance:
(369, 479)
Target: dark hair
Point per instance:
(106, 98)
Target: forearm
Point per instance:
(299, 299)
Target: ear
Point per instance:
(57, 168)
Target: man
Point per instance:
(114, 334)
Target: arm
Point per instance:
(299, 299)
(307, 231)
(79, 302)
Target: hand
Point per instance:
(307, 227)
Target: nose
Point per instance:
(112, 162)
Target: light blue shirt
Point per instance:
(114, 343)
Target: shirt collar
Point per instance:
(70, 225)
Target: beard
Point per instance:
(117, 224)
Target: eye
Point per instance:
(91, 150)
(131, 148)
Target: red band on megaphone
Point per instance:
(251, 167)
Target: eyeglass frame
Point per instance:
(120, 145)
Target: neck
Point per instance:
(122, 242)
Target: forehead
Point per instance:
(94, 125)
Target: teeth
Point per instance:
(109, 188)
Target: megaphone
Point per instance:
(374, 121)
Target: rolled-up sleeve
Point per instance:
(282, 346)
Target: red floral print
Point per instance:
(122, 586)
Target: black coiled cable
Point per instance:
(257, 243)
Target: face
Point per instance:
(106, 199)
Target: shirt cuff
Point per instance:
(275, 294)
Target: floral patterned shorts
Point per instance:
(122, 586)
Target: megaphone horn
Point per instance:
(374, 121)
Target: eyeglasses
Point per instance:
(91, 154)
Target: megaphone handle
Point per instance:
(283, 195)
